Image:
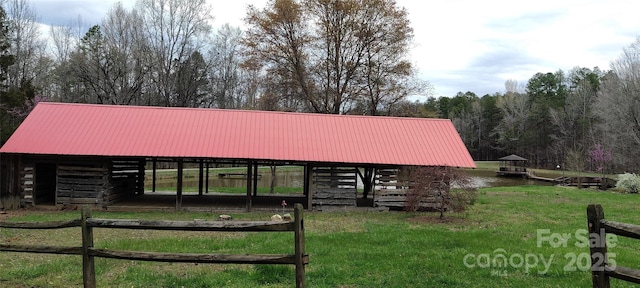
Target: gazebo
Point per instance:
(512, 165)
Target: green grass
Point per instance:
(348, 249)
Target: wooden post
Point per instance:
(206, 182)
(255, 179)
(300, 257)
(153, 181)
(200, 177)
(141, 166)
(88, 263)
(305, 183)
(595, 214)
(55, 191)
(308, 179)
(249, 172)
(373, 185)
(179, 185)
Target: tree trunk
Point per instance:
(273, 179)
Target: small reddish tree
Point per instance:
(446, 187)
(600, 158)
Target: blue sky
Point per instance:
(465, 45)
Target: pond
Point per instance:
(485, 178)
(294, 178)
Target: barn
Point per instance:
(75, 154)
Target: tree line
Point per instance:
(581, 120)
(320, 56)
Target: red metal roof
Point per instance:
(106, 130)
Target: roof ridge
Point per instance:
(241, 111)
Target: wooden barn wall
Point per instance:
(12, 178)
(81, 182)
(71, 180)
(334, 187)
(101, 183)
(391, 187)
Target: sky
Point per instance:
(463, 45)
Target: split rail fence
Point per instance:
(601, 268)
(88, 252)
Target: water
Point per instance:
(484, 178)
(295, 179)
(284, 178)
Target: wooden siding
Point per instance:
(334, 186)
(11, 172)
(392, 186)
(27, 178)
(99, 183)
(81, 184)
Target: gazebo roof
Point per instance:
(512, 157)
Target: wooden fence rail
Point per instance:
(601, 268)
(88, 252)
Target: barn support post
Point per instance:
(179, 184)
(55, 192)
(305, 182)
(249, 182)
(200, 176)
(206, 181)
(141, 166)
(154, 168)
(255, 179)
(308, 178)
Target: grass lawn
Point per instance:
(353, 249)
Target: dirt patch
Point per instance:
(11, 213)
(6, 214)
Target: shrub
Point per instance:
(629, 183)
(448, 188)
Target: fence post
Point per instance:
(299, 245)
(595, 214)
(88, 264)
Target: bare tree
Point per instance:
(512, 86)
(191, 80)
(338, 51)
(387, 74)
(514, 122)
(63, 86)
(333, 56)
(226, 74)
(618, 105)
(63, 42)
(126, 49)
(277, 43)
(174, 29)
(27, 47)
(469, 125)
